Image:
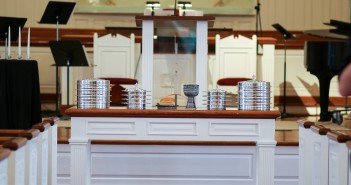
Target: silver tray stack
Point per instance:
(216, 99)
(93, 94)
(135, 98)
(254, 95)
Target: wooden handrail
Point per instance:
(42, 126)
(4, 153)
(304, 123)
(29, 134)
(339, 136)
(15, 143)
(320, 129)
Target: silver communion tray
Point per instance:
(254, 95)
(135, 98)
(93, 94)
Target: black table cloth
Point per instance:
(20, 106)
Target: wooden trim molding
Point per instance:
(159, 142)
(152, 113)
(41, 36)
(310, 101)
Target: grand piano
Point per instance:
(325, 58)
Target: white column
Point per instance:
(320, 159)
(52, 162)
(305, 156)
(80, 161)
(265, 163)
(267, 67)
(147, 59)
(16, 166)
(4, 163)
(31, 167)
(201, 61)
(338, 163)
(43, 155)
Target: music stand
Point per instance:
(68, 53)
(14, 23)
(287, 36)
(258, 19)
(57, 13)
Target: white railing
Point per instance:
(323, 154)
(4, 160)
(33, 154)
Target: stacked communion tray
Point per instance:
(93, 94)
(135, 98)
(254, 95)
(216, 99)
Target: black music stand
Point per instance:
(68, 53)
(287, 36)
(258, 19)
(14, 23)
(57, 13)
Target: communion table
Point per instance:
(174, 146)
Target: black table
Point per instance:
(20, 106)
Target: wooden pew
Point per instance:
(16, 160)
(305, 152)
(31, 151)
(52, 162)
(4, 162)
(43, 152)
(321, 153)
(320, 150)
(348, 144)
(338, 157)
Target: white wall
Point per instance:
(292, 14)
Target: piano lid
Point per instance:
(341, 31)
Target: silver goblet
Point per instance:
(191, 90)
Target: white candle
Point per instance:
(19, 43)
(6, 47)
(175, 45)
(9, 43)
(28, 45)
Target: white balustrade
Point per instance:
(16, 161)
(305, 152)
(320, 149)
(4, 162)
(43, 152)
(52, 149)
(338, 158)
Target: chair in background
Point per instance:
(236, 59)
(114, 60)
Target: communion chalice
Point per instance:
(191, 90)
